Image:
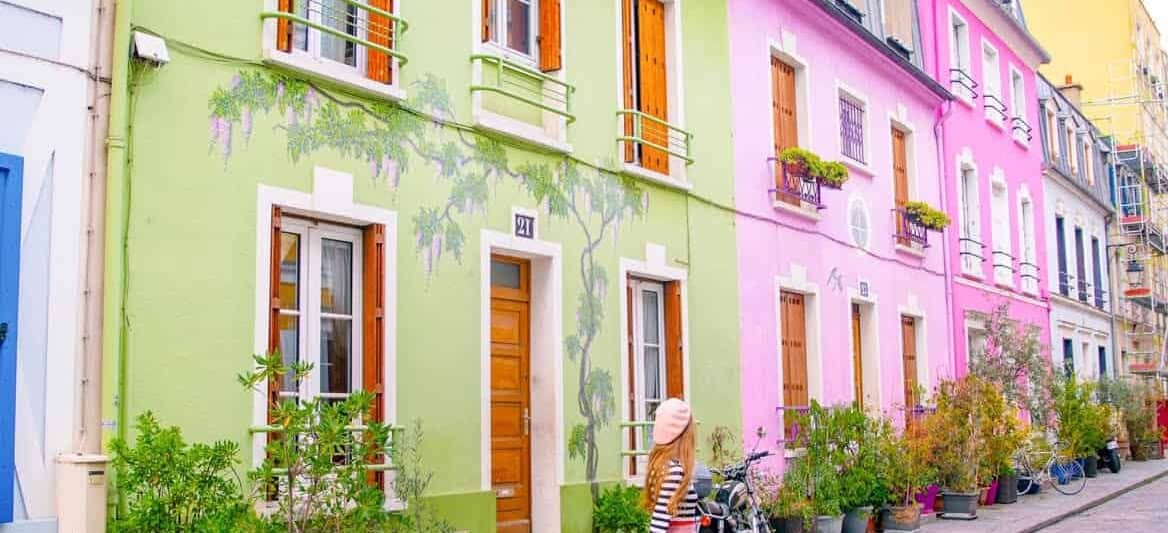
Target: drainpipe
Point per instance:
(116, 202)
(87, 439)
(1112, 283)
(943, 111)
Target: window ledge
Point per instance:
(656, 177)
(807, 213)
(960, 96)
(1023, 143)
(977, 276)
(334, 72)
(521, 131)
(1007, 285)
(862, 168)
(1000, 124)
(914, 250)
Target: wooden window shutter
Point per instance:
(674, 346)
(379, 65)
(487, 19)
(628, 58)
(550, 39)
(284, 27)
(900, 166)
(653, 81)
(274, 306)
(373, 324)
(786, 122)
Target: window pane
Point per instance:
(289, 347)
(519, 26)
(336, 349)
(336, 277)
(649, 307)
(289, 271)
(652, 373)
(340, 15)
(505, 274)
(299, 31)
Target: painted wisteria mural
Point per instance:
(423, 131)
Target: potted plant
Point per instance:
(798, 161)
(860, 486)
(903, 470)
(822, 465)
(832, 174)
(1003, 438)
(619, 510)
(788, 506)
(926, 215)
(957, 433)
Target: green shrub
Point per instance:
(618, 510)
(169, 485)
(927, 215)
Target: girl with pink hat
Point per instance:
(669, 494)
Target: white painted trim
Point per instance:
(965, 162)
(331, 199)
(1024, 241)
(870, 360)
(841, 90)
(546, 338)
(797, 282)
(805, 211)
(520, 131)
(654, 267)
(670, 180)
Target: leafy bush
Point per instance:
(410, 483)
(618, 510)
(927, 215)
(903, 466)
(1082, 424)
(169, 485)
(1012, 359)
(830, 173)
(1136, 402)
(959, 433)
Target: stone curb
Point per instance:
(1086, 506)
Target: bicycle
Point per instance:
(1063, 473)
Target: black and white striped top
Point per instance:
(686, 508)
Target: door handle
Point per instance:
(526, 421)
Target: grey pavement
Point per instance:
(1143, 509)
(1147, 482)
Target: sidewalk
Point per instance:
(1031, 513)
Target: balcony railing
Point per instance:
(1021, 129)
(959, 78)
(385, 464)
(1064, 281)
(1028, 273)
(909, 229)
(358, 23)
(995, 106)
(1084, 290)
(524, 84)
(1003, 262)
(794, 186)
(972, 254)
(1100, 298)
(659, 135)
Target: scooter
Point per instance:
(1109, 456)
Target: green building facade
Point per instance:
(441, 138)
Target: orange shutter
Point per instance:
(786, 122)
(274, 305)
(857, 357)
(373, 324)
(794, 354)
(900, 179)
(653, 89)
(674, 349)
(284, 28)
(486, 29)
(908, 330)
(550, 54)
(379, 65)
(628, 38)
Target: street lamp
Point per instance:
(1135, 273)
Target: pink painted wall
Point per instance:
(966, 128)
(774, 243)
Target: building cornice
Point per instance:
(1011, 30)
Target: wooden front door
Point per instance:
(510, 393)
(908, 336)
(794, 352)
(857, 356)
(900, 180)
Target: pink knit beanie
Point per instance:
(673, 416)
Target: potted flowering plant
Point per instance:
(806, 164)
(927, 216)
(832, 174)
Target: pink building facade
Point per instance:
(841, 298)
(992, 164)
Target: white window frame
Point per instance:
(1000, 232)
(959, 54)
(842, 91)
(311, 234)
(1072, 146)
(991, 76)
(969, 217)
(1088, 163)
(498, 40)
(1027, 241)
(640, 400)
(1018, 103)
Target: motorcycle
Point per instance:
(1109, 456)
(734, 507)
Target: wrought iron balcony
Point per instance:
(1100, 298)
(1028, 273)
(649, 131)
(995, 106)
(909, 229)
(795, 186)
(959, 78)
(972, 254)
(524, 84)
(1021, 129)
(1064, 283)
(1084, 289)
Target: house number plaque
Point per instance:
(524, 226)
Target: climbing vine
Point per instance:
(422, 131)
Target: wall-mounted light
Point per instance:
(1135, 273)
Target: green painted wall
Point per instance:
(189, 324)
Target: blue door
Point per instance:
(10, 179)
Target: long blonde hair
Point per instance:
(681, 449)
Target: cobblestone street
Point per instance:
(1138, 511)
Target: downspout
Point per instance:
(943, 111)
(87, 440)
(116, 202)
(1112, 282)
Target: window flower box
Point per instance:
(806, 164)
(926, 215)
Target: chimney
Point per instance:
(1072, 91)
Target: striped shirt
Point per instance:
(686, 508)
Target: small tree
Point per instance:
(1013, 359)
